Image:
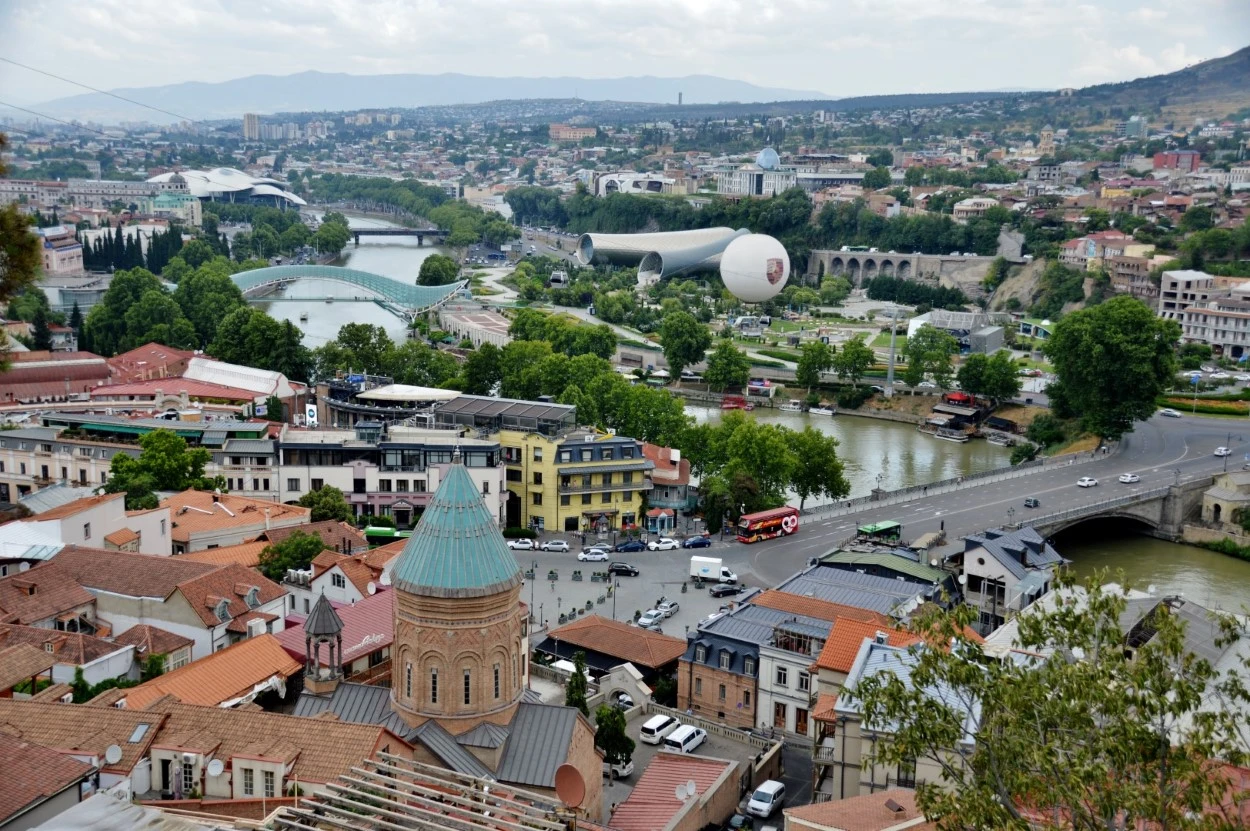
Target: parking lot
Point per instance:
(661, 575)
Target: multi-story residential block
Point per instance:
(251, 127)
(972, 208)
(33, 192)
(1131, 275)
(1003, 572)
(103, 522)
(60, 249)
(1186, 160)
(1223, 322)
(565, 132)
(1178, 290)
(671, 494)
(561, 478)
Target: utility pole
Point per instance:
(889, 371)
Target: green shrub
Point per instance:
(852, 398)
(1227, 546)
(515, 533)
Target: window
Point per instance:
(513, 475)
(434, 686)
(538, 498)
(292, 484)
(86, 530)
(538, 478)
(249, 784)
(607, 480)
(468, 687)
(188, 777)
(698, 686)
(725, 658)
(401, 485)
(607, 497)
(140, 731)
(268, 783)
(906, 774)
(338, 580)
(496, 680)
(721, 693)
(783, 677)
(748, 666)
(585, 499)
(384, 485)
(317, 484)
(22, 468)
(538, 454)
(627, 477)
(607, 454)
(486, 489)
(627, 496)
(566, 500)
(587, 455)
(566, 455)
(162, 527)
(805, 682)
(746, 698)
(700, 654)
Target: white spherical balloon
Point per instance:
(755, 267)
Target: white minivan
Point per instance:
(685, 739)
(766, 799)
(656, 728)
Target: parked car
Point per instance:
(926, 385)
(555, 545)
(1220, 376)
(622, 569)
(1223, 451)
(1242, 377)
(724, 590)
(619, 771)
(668, 608)
(1087, 482)
(592, 555)
(1169, 412)
(630, 546)
(739, 822)
(651, 619)
(1031, 502)
(521, 545)
(600, 546)
(697, 542)
(1129, 478)
(663, 544)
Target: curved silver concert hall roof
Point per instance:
(659, 254)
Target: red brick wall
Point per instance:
(698, 689)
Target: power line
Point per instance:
(101, 91)
(57, 120)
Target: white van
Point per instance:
(767, 798)
(685, 739)
(656, 728)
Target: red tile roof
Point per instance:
(864, 813)
(152, 640)
(195, 511)
(245, 554)
(665, 471)
(21, 662)
(847, 636)
(152, 360)
(640, 647)
(82, 729)
(651, 804)
(368, 625)
(171, 386)
(230, 583)
(821, 609)
(42, 592)
(78, 505)
(32, 774)
(66, 647)
(220, 677)
(121, 536)
(337, 536)
(128, 573)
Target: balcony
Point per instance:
(644, 485)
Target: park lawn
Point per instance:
(785, 327)
(882, 341)
(1021, 414)
(1084, 443)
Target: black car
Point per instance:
(622, 569)
(697, 542)
(630, 546)
(723, 590)
(739, 822)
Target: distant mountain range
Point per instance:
(326, 91)
(1211, 89)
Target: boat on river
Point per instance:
(1000, 440)
(823, 411)
(303, 317)
(329, 298)
(947, 434)
(791, 407)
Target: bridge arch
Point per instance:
(837, 266)
(904, 269)
(852, 269)
(870, 268)
(1134, 520)
(411, 299)
(887, 268)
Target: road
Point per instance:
(1154, 451)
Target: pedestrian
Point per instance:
(926, 490)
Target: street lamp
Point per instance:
(616, 588)
(533, 580)
(1011, 515)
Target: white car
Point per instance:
(651, 619)
(1220, 376)
(521, 545)
(555, 545)
(1130, 478)
(592, 555)
(1208, 369)
(1243, 377)
(926, 385)
(1087, 482)
(1223, 451)
(663, 544)
(1169, 412)
(668, 608)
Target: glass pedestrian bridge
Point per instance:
(412, 299)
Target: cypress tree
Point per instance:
(40, 334)
(75, 318)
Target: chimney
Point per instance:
(216, 495)
(881, 639)
(266, 519)
(1024, 556)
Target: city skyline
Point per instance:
(863, 50)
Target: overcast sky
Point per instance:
(839, 47)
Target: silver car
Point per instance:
(555, 545)
(651, 619)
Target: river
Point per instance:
(399, 258)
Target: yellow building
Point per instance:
(560, 477)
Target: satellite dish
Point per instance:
(933, 562)
(570, 786)
(385, 579)
(113, 754)
(680, 792)
(963, 578)
(372, 588)
(216, 768)
(690, 787)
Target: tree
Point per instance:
(990, 376)
(207, 296)
(196, 252)
(153, 667)
(853, 360)
(1112, 362)
(727, 366)
(327, 503)
(19, 246)
(575, 687)
(165, 463)
(296, 551)
(929, 352)
(332, 235)
(818, 469)
(438, 270)
(1089, 732)
(611, 736)
(877, 178)
(273, 409)
(684, 340)
(482, 370)
(833, 290)
(75, 318)
(815, 357)
(40, 333)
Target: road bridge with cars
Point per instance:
(404, 299)
(420, 233)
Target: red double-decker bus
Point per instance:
(765, 525)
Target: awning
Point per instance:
(603, 513)
(621, 467)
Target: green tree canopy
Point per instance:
(482, 370)
(206, 297)
(611, 735)
(877, 178)
(438, 270)
(990, 376)
(685, 341)
(815, 357)
(853, 360)
(326, 503)
(929, 352)
(575, 687)
(296, 551)
(727, 366)
(1112, 362)
(818, 470)
(165, 463)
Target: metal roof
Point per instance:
(407, 392)
(539, 743)
(357, 704)
(323, 621)
(1008, 548)
(457, 549)
(601, 467)
(893, 562)
(249, 446)
(214, 437)
(443, 745)
(486, 734)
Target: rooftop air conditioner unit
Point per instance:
(255, 628)
(188, 758)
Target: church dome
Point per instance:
(768, 159)
(456, 550)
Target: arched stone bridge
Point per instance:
(404, 299)
(858, 266)
(1161, 510)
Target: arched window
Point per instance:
(468, 687)
(434, 685)
(496, 681)
(408, 680)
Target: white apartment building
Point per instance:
(1178, 290)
